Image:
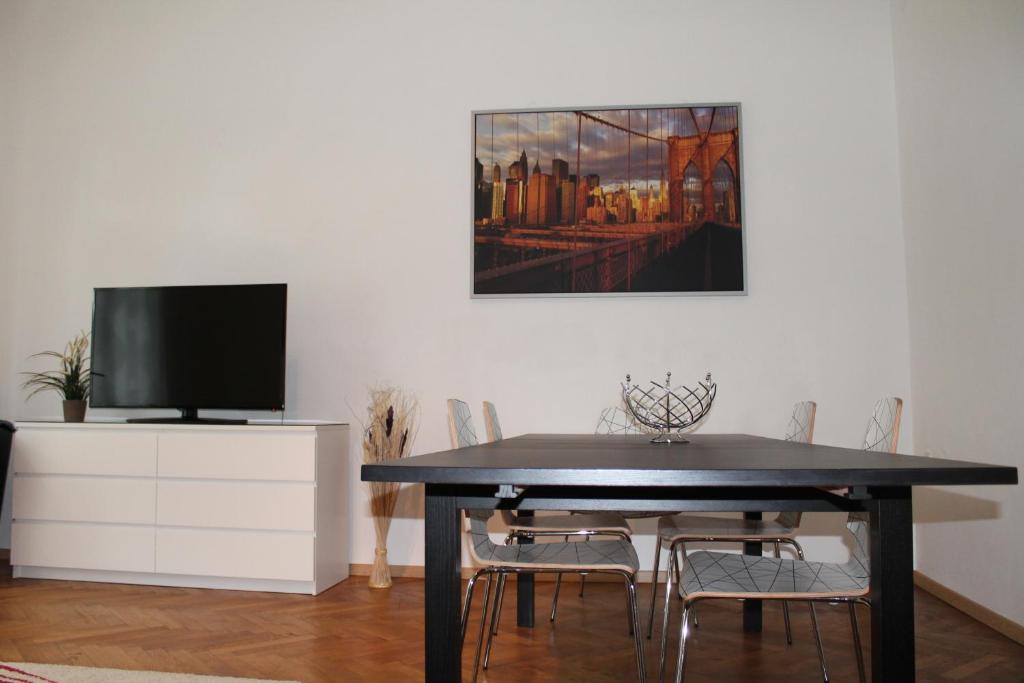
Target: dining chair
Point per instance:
(612, 421)
(675, 531)
(460, 423)
(590, 524)
(883, 432)
(881, 436)
(462, 433)
(730, 576)
(615, 420)
(616, 557)
(491, 424)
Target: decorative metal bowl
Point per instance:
(668, 411)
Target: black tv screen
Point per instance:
(215, 347)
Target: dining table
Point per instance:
(706, 473)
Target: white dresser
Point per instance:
(250, 507)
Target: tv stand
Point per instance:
(189, 416)
(245, 507)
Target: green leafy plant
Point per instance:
(71, 381)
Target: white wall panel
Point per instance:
(327, 145)
(960, 87)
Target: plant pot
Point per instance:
(74, 411)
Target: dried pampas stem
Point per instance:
(387, 435)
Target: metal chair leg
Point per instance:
(554, 600)
(499, 601)
(558, 589)
(638, 642)
(654, 586)
(494, 618)
(679, 583)
(684, 633)
(467, 602)
(483, 621)
(681, 551)
(814, 620)
(629, 613)
(785, 606)
(583, 577)
(861, 675)
(680, 548)
(669, 574)
(817, 642)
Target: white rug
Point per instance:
(17, 672)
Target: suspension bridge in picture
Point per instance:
(613, 241)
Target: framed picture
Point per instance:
(640, 200)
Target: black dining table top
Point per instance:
(706, 460)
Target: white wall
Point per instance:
(8, 146)
(328, 145)
(960, 87)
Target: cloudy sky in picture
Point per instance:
(607, 150)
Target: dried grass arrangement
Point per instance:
(392, 418)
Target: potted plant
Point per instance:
(71, 381)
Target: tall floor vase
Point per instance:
(385, 495)
(387, 436)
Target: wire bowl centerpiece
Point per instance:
(668, 411)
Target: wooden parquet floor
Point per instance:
(352, 633)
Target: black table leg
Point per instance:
(752, 608)
(443, 550)
(524, 587)
(892, 586)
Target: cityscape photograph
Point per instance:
(640, 199)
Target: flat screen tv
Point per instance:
(219, 347)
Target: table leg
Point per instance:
(443, 559)
(892, 585)
(524, 587)
(752, 608)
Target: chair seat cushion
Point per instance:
(728, 575)
(597, 521)
(693, 527)
(582, 556)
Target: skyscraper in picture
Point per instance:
(540, 199)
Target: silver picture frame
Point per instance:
(495, 234)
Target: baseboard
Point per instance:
(993, 620)
(411, 571)
(398, 571)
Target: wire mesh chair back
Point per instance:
(462, 433)
(859, 564)
(491, 424)
(460, 424)
(883, 432)
(801, 424)
(799, 430)
(615, 420)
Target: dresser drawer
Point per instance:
(245, 554)
(238, 455)
(236, 505)
(84, 499)
(85, 451)
(83, 546)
